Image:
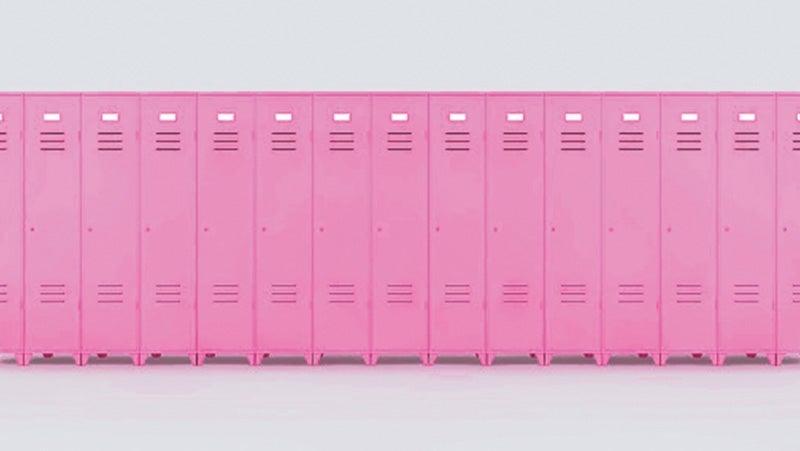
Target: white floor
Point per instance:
(455, 404)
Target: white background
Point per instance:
(399, 45)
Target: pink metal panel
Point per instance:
(342, 295)
(689, 212)
(52, 223)
(788, 204)
(283, 244)
(168, 218)
(572, 215)
(225, 199)
(110, 232)
(631, 170)
(11, 234)
(747, 221)
(400, 223)
(515, 223)
(457, 221)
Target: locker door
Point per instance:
(283, 240)
(630, 224)
(788, 202)
(747, 221)
(515, 224)
(11, 234)
(110, 232)
(400, 223)
(457, 224)
(168, 234)
(52, 223)
(689, 214)
(572, 218)
(341, 224)
(225, 189)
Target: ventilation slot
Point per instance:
(631, 141)
(456, 141)
(51, 141)
(109, 293)
(3, 142)
(283, 293)
(795, 293)
(746, 142)
(515, 141)
(52, 293)
(746, 293)
(573, 293)
(226, 141)
(168, 293)
(688, 293)
(573, 141)
(399, 141)
(341, 293)
(399, 293)
(457, 293)
(341, 142)
(689, 141)
(225, 293)
(3, 293)
(168, 141)
(109, 141)
(630, 293)
(283, 141)
(515, 293)
(795, 141)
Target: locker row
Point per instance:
(378, 224)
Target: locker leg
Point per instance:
(370, 359)
(545, 359)
(718, 359)
(483, 358)
(774, 359)
(254, 359)
(489, 359)
(660, 359)
(80, 359)
(313, 358)
(602, 359)
(432, 359)
(23, 359)
(197, 359)
(139, 359)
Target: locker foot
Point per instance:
(81, 359)
(717, 359)
(602, 359)
(370, 359)
(23, 359)
(774, 359)
(254, 359)
(138, 359)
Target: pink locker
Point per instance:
(226, 204)
(110, 219)
(747, 225)
(400, 224)
(168, 224)
(631, 169)
(342, 294)
(52, 225)
(283, 218)
(688, 231)
(788, 204)
(457, 225)
(572, 225)
(515, 224)
(11, 233)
